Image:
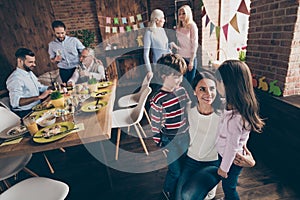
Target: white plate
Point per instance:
(13, 132)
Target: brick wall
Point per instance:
(274, 43)
(77, 14)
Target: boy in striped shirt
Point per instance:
(169, 117)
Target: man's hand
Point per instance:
(45, 94)
(84, 73)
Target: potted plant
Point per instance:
(92, 84)
(86, 36)
(57, 99)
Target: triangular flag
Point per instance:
(243, 8)
(212, 27)
(234, 24)
(225, 30)
(207, 20)
(203, 12)
(218, 32)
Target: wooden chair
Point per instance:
(131, 117)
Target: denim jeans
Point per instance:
(190, 75)
(197, 179)
(229, 184)
(177, 148)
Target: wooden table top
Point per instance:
(97, 127)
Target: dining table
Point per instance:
(96, 127)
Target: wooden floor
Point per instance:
(89, 178)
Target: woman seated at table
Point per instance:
(89, 67)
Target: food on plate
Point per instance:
(52, 131)
(94, 107)
(42, 106)
(61, 112)
(47, 121)
(17, 130)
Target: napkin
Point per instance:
(16, 141)
(80, 127)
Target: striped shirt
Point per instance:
(69, 49)
(168, 112)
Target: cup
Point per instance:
(31, 125)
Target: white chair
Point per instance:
(10, 166)
(131, 117)
(36, 188)
(4, 102)
(133, 99)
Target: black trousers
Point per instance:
(66, 74)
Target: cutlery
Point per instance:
(97, 102)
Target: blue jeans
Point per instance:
(197, 179)
(191, 169)
(177, 148)
(204, 180)
(190, 75)
(229, 184)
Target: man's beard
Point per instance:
(27, 69)
(61, 39)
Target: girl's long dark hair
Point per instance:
(240, 94)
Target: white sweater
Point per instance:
(203, 132)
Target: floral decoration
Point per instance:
(242, 53)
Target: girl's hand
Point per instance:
(244, 160)
(190, 66)
(222, 173)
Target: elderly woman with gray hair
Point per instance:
(89, 67)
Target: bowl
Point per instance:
(46, 120)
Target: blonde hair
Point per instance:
(188, 16)
(155, 15)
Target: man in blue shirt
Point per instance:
(25, 91)
(64, 51)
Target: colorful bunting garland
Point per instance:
(115, 24)
(233, 22)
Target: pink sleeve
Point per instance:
(194, 39)
(233, 139)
